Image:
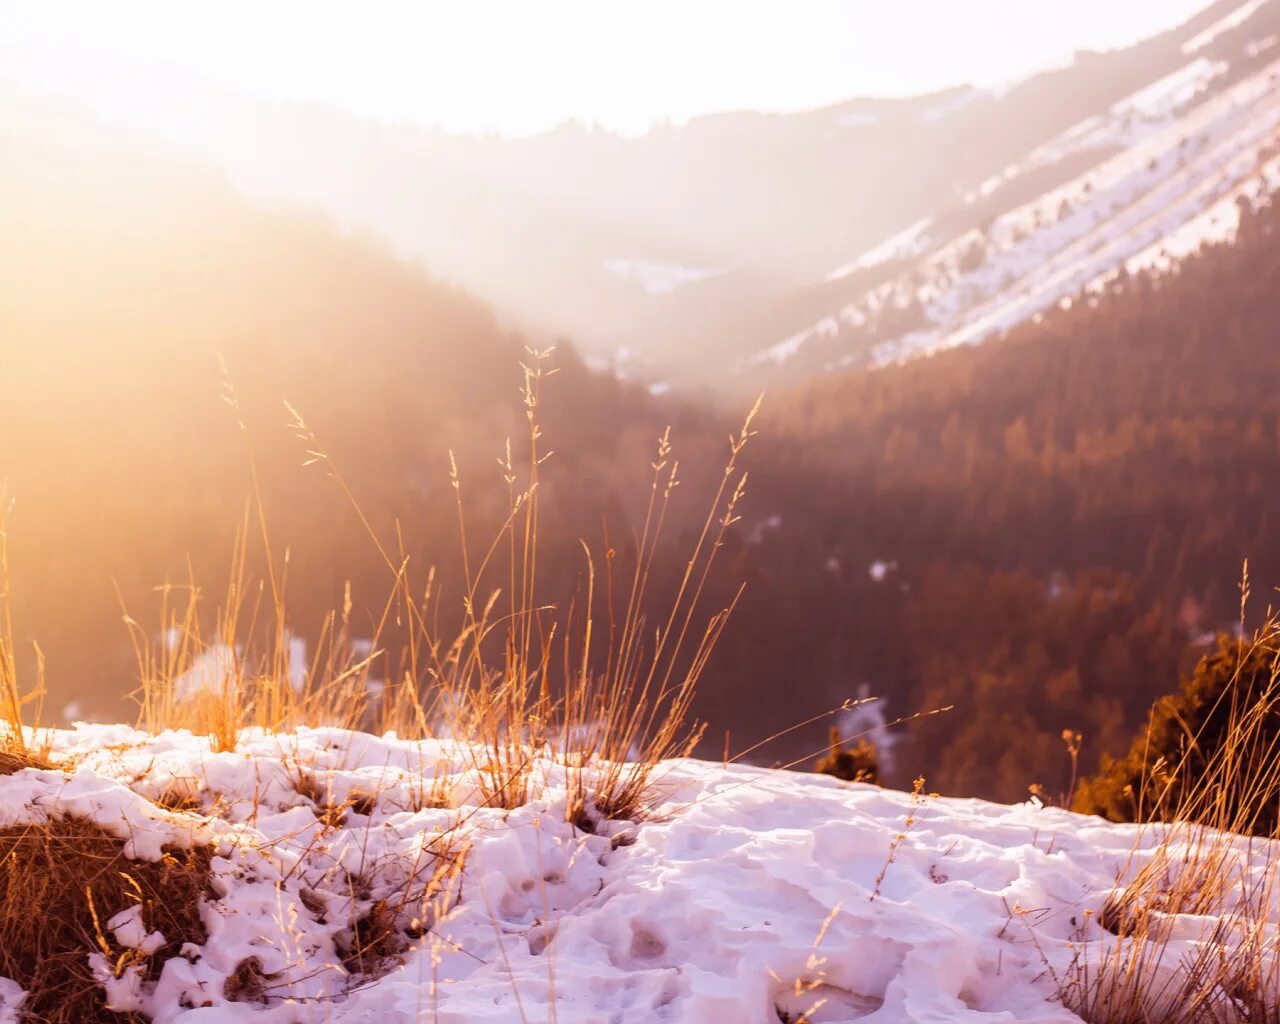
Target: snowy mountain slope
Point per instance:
(751, 895)
(1164, 170)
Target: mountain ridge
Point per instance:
(739, 215)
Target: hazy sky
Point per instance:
(523, 65)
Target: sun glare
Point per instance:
(513, 67)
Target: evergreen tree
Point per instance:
(1207, 753)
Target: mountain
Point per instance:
(747, 249)
(1042, 523)
(1136, 186)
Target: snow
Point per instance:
(129, 931)
(658, 278)
(1217, 223)
(958, 101)
(910, 241)
(1260, 46)
(858, 119)
(879, 570)
(11, 996)
(1233, 20)
(747, 892)
(1127, 122)
(788, 347)
(1171, 92)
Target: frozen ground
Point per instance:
(749, 897)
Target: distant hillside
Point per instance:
(953, 503)
(1135, 429)
(1137, 184)
(745, 250)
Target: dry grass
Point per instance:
(14, 760)
(524, 678)
(595, 684)
(382, 933)
(600, 686)
(918, 798)
(238, 674)
(61, 882)
(1193, 921)
(13, 699)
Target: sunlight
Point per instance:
(679, 511)
(512, 67)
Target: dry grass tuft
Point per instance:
(72, 877)
(1192, 934)
(383, 930)
(13, 760)
(247, 983)
(240, 673)
(373, 941)
(857, 762)
(596, 686)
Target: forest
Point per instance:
(1069, 509)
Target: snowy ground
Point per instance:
(748, 898)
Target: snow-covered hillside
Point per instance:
(1151, 178)
(748, 895)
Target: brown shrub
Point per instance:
(856, 763)
(247, 983)
(1193, 917)
(60, 882)
(14, 759)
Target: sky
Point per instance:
(520, 66)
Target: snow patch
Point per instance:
(658, 278)
(1233, 20)
(788, 347)
(910, 241)
(1172, 92)
(1260, 46)
(950, 105)
(11, 996)
(858, 119)
(879, 570)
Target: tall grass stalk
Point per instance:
(522, 681)
(13, 701)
